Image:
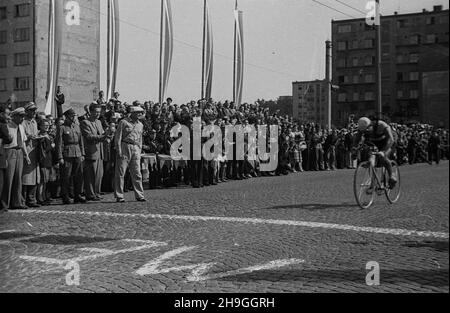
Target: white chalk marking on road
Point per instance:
(375, 230)
(102, 254)
(152, 267)
(199, 271)
(7, 231)
(197, 276)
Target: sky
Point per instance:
(284, 42)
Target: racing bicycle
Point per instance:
(371, 178)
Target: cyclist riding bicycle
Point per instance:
(379, 134)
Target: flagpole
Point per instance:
(378, 60)
(161, 55)
(108, 59)
(234, 63)
(203, 52)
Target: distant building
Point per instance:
(24, 52)
(310, 101)
(415, 64)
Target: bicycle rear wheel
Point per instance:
(363, 186)
(393, 194)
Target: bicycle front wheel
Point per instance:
(363, 186)
(393, 194)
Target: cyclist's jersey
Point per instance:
(377, 134)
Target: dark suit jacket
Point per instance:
(93, 141)
(5, 139)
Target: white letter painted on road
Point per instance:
(373, 277)
(73, 277)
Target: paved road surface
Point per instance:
(300, 233)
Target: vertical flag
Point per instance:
(208, 55)
(113, 47)
(166, 49)
(54, 53)
(238, 57)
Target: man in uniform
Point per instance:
(128, 143)
(94, 137)
(70, 152)
(15, 154)
(31, 172)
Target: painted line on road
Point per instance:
(99, 253)
(374, 230)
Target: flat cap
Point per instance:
(136, 109)
(30, 106)
(18, 111)
(69, 112)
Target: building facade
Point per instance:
(24, 52)
(310, 101)
(415, 50)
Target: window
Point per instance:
(342, 45)
(414, 94)
(3, 37)
(431, 20)
(356, 96)
(22, 10)
(369, 96)
(443, 20)
(399, 76)
(342, 97)
(21, 59)
(21, 83)
(355, 79)
(21, 34)
(344, 28)
(401, 23)
(400, 58)
(414, 58)
(369, 78)
(414, 76)
(2, 84)
(341, 63)
(431, 38)
(355, 44)
(369, 43)
(3, 13)
(355, 61)
(414, 39)
(399, 94)
(370, 60)
(3, 61)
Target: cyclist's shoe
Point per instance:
(369, 191)
(392, 182)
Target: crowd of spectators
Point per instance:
(302, 146)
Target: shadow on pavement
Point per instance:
(313, 207)
(12, 235)
(439, 246)
(430, 278)
(58, 240)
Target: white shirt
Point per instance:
(13, 132)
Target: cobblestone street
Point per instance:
(297, 233)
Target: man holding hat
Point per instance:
(128, 143)
(70, 152)
(94, 138)
(31, 172)
(15, 153)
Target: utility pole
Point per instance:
(328, 78)
(379, 103)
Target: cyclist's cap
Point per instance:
(364, 123)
